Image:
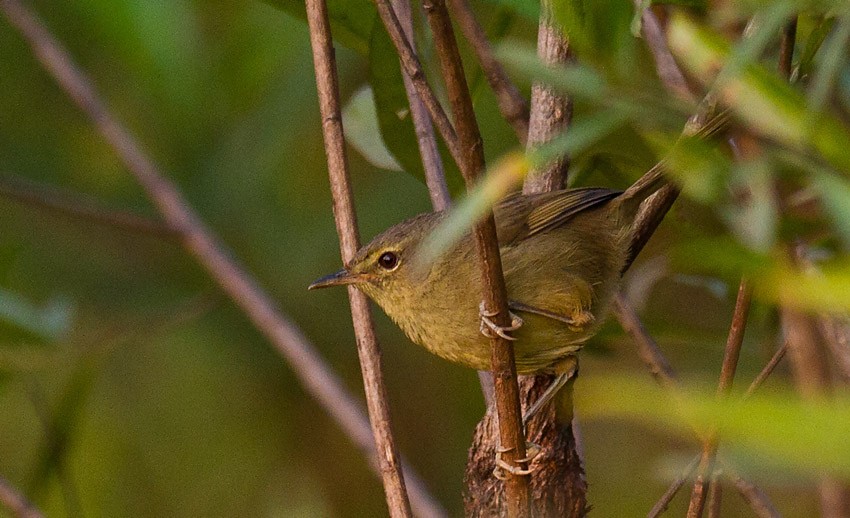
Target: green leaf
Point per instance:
(578, 80)
(47, 323)
(503, 177)
(697, 166)
(835, 196)
(600, 31)
(753, 216)
(351, 20)
(813, 45)
(528, 9)
(361, 130)
(507, 174)
(834, 56)
(760, 99)
(768, 430)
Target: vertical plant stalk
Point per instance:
(550, 111)
(731, 354)
(432, 163)
(494, 292)
(558, 487)
(16, 503)
(316, 377)
(412, 67)
(346, 222)
(512, 105)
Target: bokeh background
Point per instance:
(130, 385)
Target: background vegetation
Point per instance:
(129, 385)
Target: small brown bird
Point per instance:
(563, 253)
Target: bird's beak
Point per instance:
(339, 278)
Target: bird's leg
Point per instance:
(567, 369)
(531, 451)
(490, 328)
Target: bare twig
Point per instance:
(662, 503)
(413, 68)
(715, 495)
(432, 163)
(767, 370)
(79, 206)
(755, 497)
(494, 292)
(15, 502)
(550, 111)
(727, 375)
(647, 349)
(511, 103)
(317, 379)
(668, 71)
(346, 224)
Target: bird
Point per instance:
(563, 253)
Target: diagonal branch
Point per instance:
(79, 206)
(314, 374)
(17, 503)
(413, 68)
(346, 223)
(511, 103)
(493, 282)
(432, 163)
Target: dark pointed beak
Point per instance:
(339, 278)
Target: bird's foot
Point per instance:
(531, 452)
(491, 329)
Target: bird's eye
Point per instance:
(388, 260)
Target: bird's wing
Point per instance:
(564, 205)
(521, 216)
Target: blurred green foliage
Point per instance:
(131, 387)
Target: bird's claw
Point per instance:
(491, 329)
(531, 452)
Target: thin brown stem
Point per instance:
(727, 375)
(647, 348)
(662, 503)
(15, 502)
(551, 111)
(755, 497)
(512, 105)
(494, 292)
(767, 370)
(715, 496)
(346, 223)
(665, 65)
(316, 377)
(432, 163)
(413, 68)
(79, 206)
